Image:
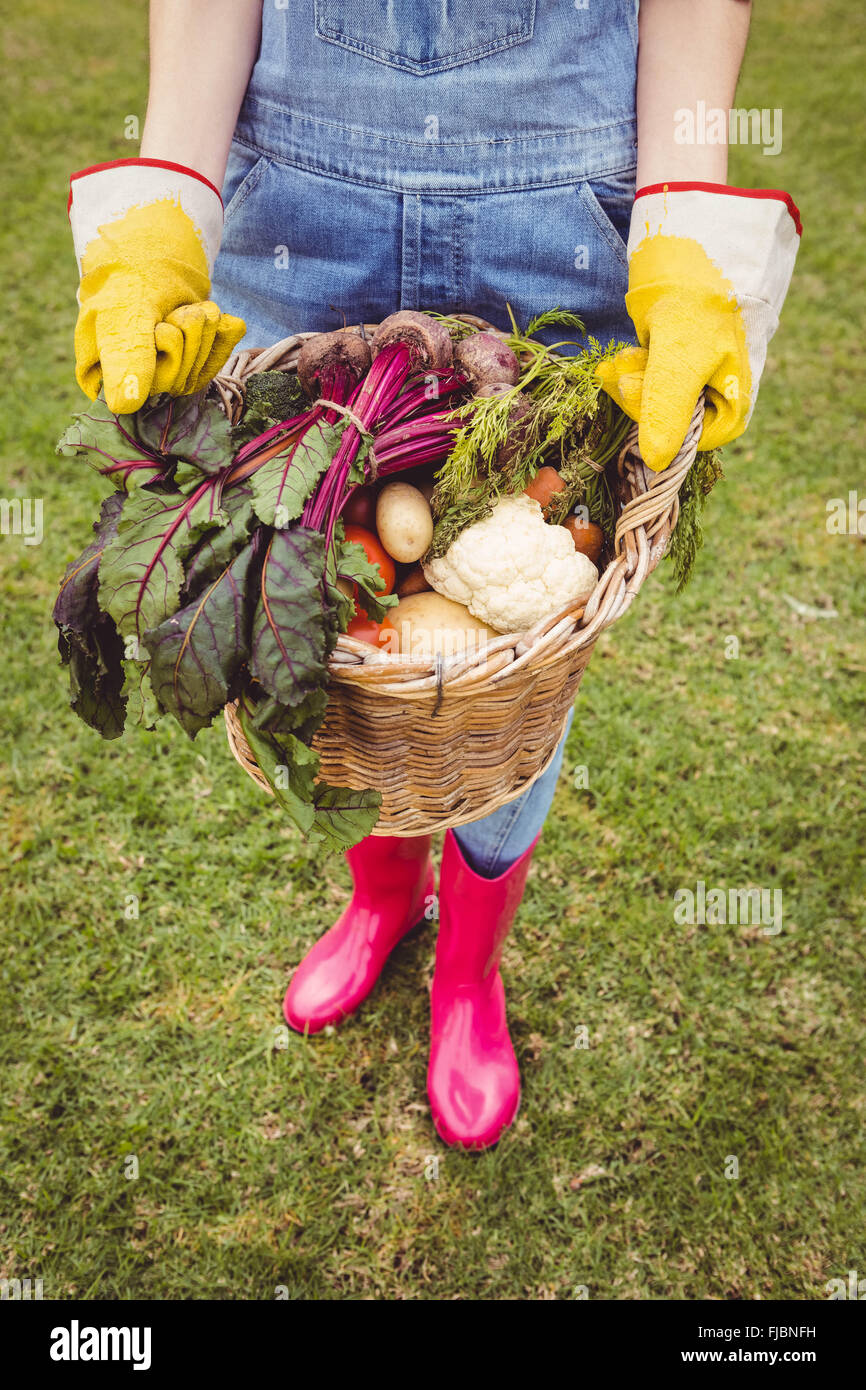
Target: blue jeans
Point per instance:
(491, 845)
(460, 158)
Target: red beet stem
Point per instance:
(379, 388)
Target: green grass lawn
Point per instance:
(262, 1160)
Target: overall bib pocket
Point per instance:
(425, 37)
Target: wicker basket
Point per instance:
(448, 740)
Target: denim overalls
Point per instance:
(453, 156)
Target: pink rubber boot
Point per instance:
(393, 876)
(473, 1081)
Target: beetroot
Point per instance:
(428, 340)
(486, 361)
(500, 388)
(327, 356)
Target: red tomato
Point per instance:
(375, 553)
(364, 629)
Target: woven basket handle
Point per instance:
(643, 529)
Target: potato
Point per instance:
(404, 522)
(428, 624)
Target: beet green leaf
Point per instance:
(76, 607)
(350, 562)
(334, 817)
(282, 485)
(189, 428)
(195, 654)
(109, 446)
(141, 572)
(87, 639)
(292, 627)
(220, 544)
(96, 676)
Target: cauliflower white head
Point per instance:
(512, 569)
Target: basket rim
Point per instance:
(647, 517)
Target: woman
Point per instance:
(376, 155)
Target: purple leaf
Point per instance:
(108, 445)
(87, 639)
(141, 571)
(195, 654)
(217, 546)
(191, 428)
(96, 676)
(291, 628)
(76, 607)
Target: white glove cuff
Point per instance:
(104, 192)
(751, 235)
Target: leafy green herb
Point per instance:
(551, 318)
(688, 534)
(569, 422)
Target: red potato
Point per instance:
(415, 582)
(485, 360)
(360, 510)
(325, 353)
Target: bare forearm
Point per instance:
(201, 55)
(690, 51)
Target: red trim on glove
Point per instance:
(725, 188)
(153, 163)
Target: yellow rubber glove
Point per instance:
(709, 267)
(146, 234)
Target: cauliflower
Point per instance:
(512, 568)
